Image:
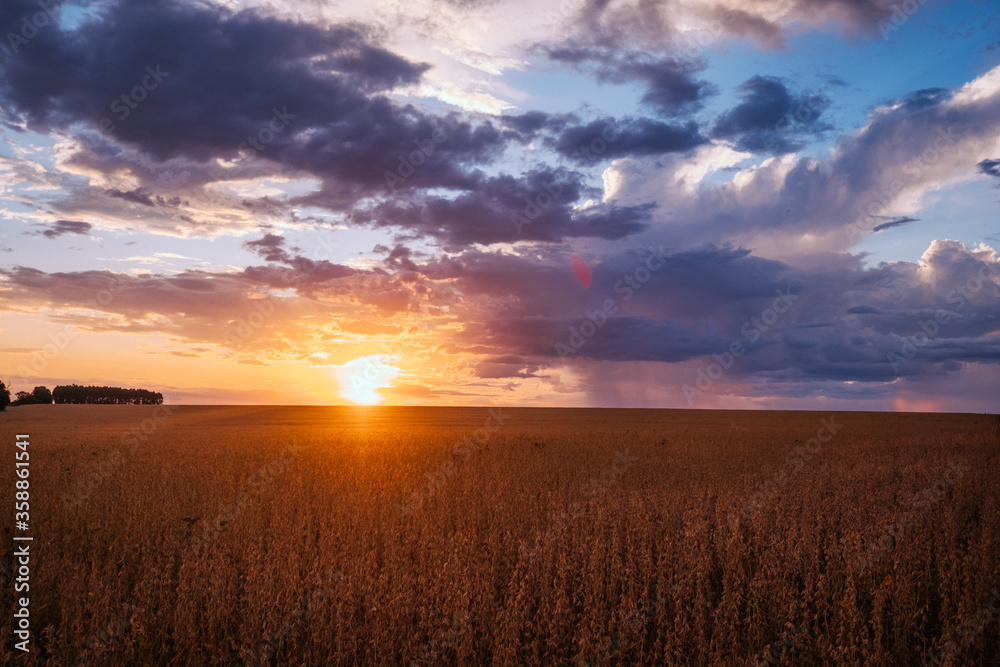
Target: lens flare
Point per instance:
(581, 270)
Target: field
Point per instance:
(399, 536)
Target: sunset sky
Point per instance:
(732, 204)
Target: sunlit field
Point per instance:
(401, 536)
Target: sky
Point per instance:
(760, 204)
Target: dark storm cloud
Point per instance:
(770, 118)
(211, 84)
(608, 139)
(594, 141)
(66, 227)
(672, 316)
(217, 68)
(840, 321)
(625, 338)
(538, 206)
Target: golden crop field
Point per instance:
(420, 536)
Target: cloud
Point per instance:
(143, 197)
(763, 31)
(66, 227)
(527, 125)
(509, 366)
(894, 222)
(669, 80)
(771, 119)
(270, 247)
(197, 306)
(765, 22)
(989, 167)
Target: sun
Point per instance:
(361, 378)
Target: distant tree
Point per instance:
(4, 397)
(42, 395)
(23, 398)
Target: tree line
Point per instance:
(75, 393)
(79, 394)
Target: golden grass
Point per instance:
(536, 547)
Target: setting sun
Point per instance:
(361, 378)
